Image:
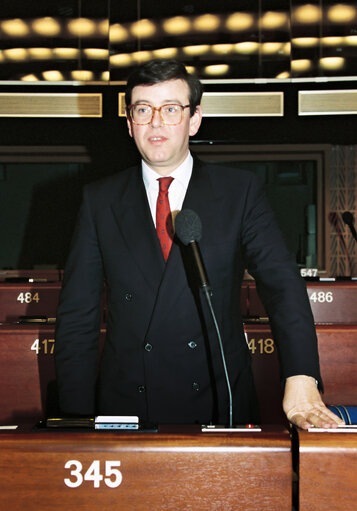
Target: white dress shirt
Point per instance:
(178, 187)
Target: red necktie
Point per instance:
(164, 227)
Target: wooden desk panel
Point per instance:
(27, 372)
(28, 299)
(38, 274)
(327, 471)
(160, 471)
(331, 302)
(266, 370)
(338, 361)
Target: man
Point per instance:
(161, 359)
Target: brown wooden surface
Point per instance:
(28, 299)
(338, 361)
(161, 471)
(331, 302)
(27, 378)
(39, 274)
(328, 471)
(266, 370)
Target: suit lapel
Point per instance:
(133, 217)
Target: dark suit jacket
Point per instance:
(161, 359)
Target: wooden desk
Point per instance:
(328, 471)
(331, 301)
(27, 372)
(175, 469)
(28, 299)
(338, 361)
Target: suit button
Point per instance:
(192, 345)
(195, 386)
(128, 297)
(141, 389)
(148, 346)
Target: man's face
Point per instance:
(162, 147)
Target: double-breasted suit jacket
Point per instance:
(161, 359)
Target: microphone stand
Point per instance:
(208, 293)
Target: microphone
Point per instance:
(347, 217)
(188, 228)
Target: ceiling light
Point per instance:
(305, 42)
(177, 25)
(103, 27)
(206, 23)
(216, 70)
(141, 56)
(198, 49)
(40, 53)
(117, 33)
(301, 65)
(351, 40)
(239, 21)
(308, 13)
(283, 76)
(332, 63)
(273, 20)
(66, 53)
(191, 70)
(46, 26)
(222, 49)
(272, 48)
(332, 41)
(82, 75)
(81, 27)
(53, 76)
(96, 53)
(120, 60)
(29, 78)
(246, 47)
(143, 28)
(165, 53)
(15, 27)
(341, 13)
(16, 54)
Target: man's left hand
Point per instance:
(303, 405)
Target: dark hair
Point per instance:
(161, 70)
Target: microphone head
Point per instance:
(188, 226)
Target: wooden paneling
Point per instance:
(27, 376)
(160, 471)
(327, 471)
(331, 301)
(338, 361)
(28, 299)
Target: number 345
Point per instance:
(113, 476)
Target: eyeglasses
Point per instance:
(170, 114)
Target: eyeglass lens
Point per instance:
(170, 114)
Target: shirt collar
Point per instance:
(182, 174)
